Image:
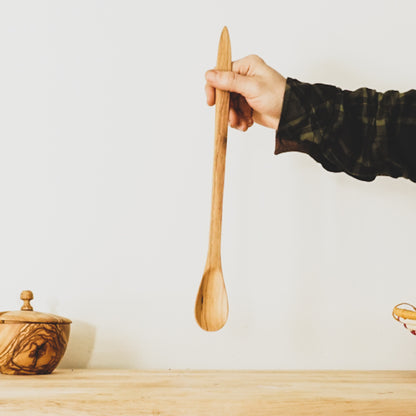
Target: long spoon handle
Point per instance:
(211, 307)
(222, 105)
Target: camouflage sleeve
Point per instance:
(363, 133)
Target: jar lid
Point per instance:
(28, 315)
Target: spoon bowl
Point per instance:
(211, 308)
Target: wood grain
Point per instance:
(31, 342)
(32, 348)
(211, 307)
(213, 393)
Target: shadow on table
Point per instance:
(80, 346)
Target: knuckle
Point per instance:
(231, 78)
(255, 58)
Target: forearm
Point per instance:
(364, 133)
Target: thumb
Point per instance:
(231, 81)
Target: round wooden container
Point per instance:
(31, 342)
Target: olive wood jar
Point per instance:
(31, 342)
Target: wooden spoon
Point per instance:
(211, 308)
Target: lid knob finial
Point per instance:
(26, 297)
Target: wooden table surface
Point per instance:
(193, 393)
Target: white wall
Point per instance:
(105, 182)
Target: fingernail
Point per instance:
(211, 75)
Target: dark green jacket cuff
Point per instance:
(363, 133)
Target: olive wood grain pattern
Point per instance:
(31, 342)
(211, 307)
(210, 393)
(30, 348)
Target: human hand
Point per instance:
(257, 92)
